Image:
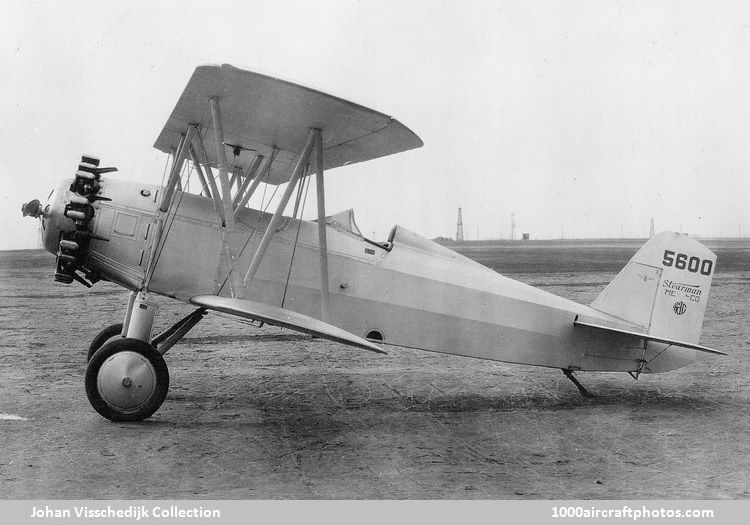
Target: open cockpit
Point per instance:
(344, 222)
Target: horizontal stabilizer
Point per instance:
(579, 321)
(282, 317)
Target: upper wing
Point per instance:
(261, 113)
(580, 321)
(276, 316)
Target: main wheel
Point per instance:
(126, 380)
(111, 332)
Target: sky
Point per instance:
(582, 118)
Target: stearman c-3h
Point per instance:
(196, 240)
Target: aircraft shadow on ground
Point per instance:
(315, 406)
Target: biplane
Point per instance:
(195, 239)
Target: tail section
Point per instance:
(664, 288)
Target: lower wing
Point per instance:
(276, 316)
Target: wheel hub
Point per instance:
(126, 381)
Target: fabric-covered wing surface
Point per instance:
(282, 317)
(260, 113)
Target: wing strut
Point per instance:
(174, 174)
(218, 207)
(223, 170)
(227, 228)
(299, 170)
(322, 241)
(196, 163)
(173, 182)
(244, 193)
(313, 147)
(227, 205)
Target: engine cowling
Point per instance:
(68, 217)
(73, 244)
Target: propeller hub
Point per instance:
(32, 209)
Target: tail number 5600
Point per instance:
(692, 264)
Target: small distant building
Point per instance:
(525, 236)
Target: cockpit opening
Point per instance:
(344, 222)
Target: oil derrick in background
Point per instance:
(651, 231)
(512, 226)
(460, 227)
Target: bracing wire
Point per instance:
(270, 199)
(306, 184)
(257, 223)
(165, 235)
(262, 199)
(152, 264)
(288, 221)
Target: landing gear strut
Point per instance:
(126, 376)
(582, 389)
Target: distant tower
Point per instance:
(651, 232)
(512, 226)
(460, 227)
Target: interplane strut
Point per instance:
(227, 205)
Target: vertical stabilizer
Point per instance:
(664, 288)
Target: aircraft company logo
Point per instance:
(679, 308)
(682, 287)
(691, 291)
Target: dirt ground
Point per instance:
(264, 413)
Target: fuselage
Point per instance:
(409, 292)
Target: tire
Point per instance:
(126, 380)
(112, 331)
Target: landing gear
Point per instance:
(582, 389)
(126, 377)
(126, 380)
